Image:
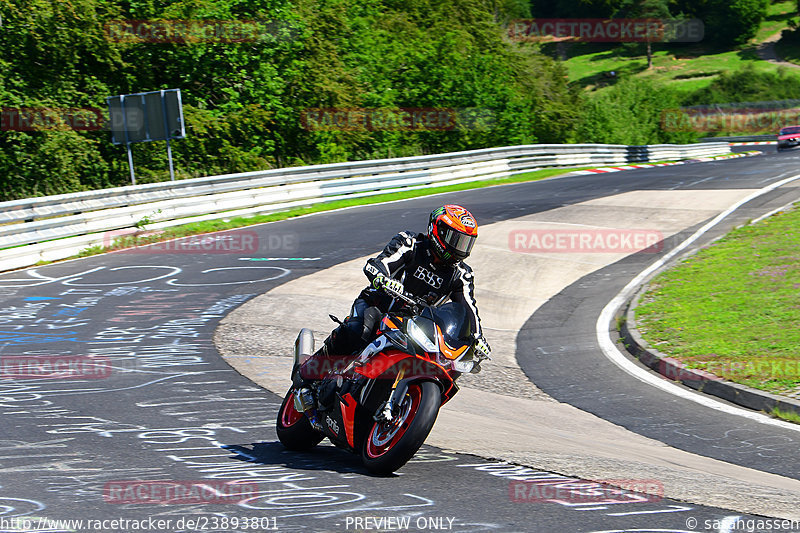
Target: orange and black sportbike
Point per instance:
(381, 403)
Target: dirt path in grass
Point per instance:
(766, 51)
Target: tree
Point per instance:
(243, 101)
(726, 22)
(575, 8)
(630, 112)
(646, 9)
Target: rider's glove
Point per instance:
(382, 281)
(482, 348)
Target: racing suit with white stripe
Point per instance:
(408, 257)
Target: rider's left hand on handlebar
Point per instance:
(482, 348)
(388, 283)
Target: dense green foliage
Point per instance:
(630, 113)
(749, 85)
(726, 21)
(243, 101)
(575, 8)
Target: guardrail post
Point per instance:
(127, 142)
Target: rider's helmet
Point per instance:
(452, 231)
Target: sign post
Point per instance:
(144, 117)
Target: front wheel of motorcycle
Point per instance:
(389, 446)
(293, 427)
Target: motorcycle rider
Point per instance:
(428, 266)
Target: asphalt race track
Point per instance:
(562, 333)
(159, 404)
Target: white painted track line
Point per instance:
(611, 351)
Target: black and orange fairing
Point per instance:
(391, 322)
(392, 362)
(448, 351)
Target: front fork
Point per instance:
(387, 411)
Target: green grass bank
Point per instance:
(733, 309)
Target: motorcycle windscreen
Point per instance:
(452, 320)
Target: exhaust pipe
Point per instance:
(303, 349)
(303, 346)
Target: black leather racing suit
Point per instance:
(408, 257)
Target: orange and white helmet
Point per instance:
(452, 231)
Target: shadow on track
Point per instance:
(323, 457)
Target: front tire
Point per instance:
(293, 427)
(388, 447)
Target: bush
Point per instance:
(49, 162)
(243, 101)
(630, 112)
(748, 85)
(726, 21)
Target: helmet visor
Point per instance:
(457, 242)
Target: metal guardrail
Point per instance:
(55, 227)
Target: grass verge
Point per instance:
(198, 228)
(786, 415)
(686, 70)
(778, 16)
(683, 67)
(732, 308)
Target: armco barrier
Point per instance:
(55, 227)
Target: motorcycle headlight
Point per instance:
(416, 333)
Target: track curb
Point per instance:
(618, 168)
(699, 380)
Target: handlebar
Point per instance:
(410, 299)
(416, 304)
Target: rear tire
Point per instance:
(387, 448)
(293, 427)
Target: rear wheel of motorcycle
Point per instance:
(293, 427)
(389, 446)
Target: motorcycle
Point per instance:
(383, 403)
